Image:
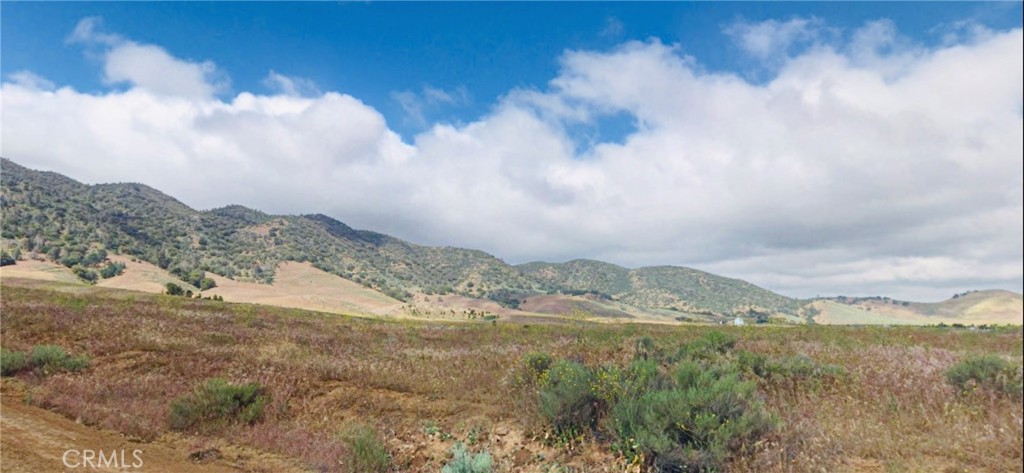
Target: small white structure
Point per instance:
(738, 321)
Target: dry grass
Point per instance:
(300, 285)
(142, 276)
(41, 270)
(893, 412)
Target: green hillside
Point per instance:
(662, 287)
(49, 215)
(581, 276)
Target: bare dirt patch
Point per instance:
(35, 440)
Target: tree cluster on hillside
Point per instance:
(49, 215)
(661, 287)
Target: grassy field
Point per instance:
(337, 387)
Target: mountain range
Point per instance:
(48, 216)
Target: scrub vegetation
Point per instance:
(349, 394)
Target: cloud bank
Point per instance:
(865, 166)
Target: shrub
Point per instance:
(695, 425)
(688, 412)
(217, 402)
(11, 362)
(206, 283)
(84, 273)
(612, 383)
(753, 363)
(173, 289)
(566, 399)
(53, 359)
(709, 346)
(989, 372)
(464, 461)
(536, 364)
(112, 269)
(645, 348)
(366, 450)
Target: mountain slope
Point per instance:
(974, 307)
(662, 287)
(46, 214)
(49, 214)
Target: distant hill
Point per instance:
(662, 287)
(970, 308)
(49, 214)
(50, 217)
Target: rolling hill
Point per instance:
(662, 287)
(58, 228)
(49, 214)
(972, 308)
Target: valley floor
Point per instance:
(423, 386)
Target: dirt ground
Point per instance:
(35, 440)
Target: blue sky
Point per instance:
(808, 147)
(481, 50)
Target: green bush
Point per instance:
(989, 372)
(84, 273)
(566, 398)
(694, 425)
(11, 362)
(367, 452)
(710, 346)
(463, 461)
(216, 403)
(753, 363)
(173, 289)
(640, 376)
(692, 411)
(53, 359)
(536, 364)
(112, 269)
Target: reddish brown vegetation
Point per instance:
(425, 386)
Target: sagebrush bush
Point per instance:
(12, 362)
(367, 452)
(464, 461)
(611, 383)
(566, 398)
(691, 411)
(988, 372)
(217, 403)
(693, 424)
(536, 364)
(710, 346)
(50, 359)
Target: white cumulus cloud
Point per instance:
(290, 85)
(773, 38)
(870, 167)
(148, 67)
